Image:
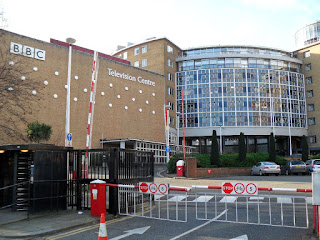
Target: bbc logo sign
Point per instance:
(27, 51)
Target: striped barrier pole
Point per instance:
(180, 189)
(260, 189)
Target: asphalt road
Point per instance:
(215, 228)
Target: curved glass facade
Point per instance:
(308, 35)
(242, 93)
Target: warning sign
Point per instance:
(153, 188)
(239, 188)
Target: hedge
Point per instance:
(226, 160)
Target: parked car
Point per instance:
(263, 168)
(294, 166)
(313, 165)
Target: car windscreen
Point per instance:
(296, 162)
(269, 163)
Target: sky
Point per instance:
(102, 25)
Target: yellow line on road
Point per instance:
(80, 230)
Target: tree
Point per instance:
(38, 131)
(215, 156)
(305, 149)
(16, 99)
(242, 148)
(272, 149)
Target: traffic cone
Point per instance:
(103, 229)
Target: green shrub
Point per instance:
(226, 160)
(316, 156)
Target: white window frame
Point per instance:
(170, 91)
(144, 62)
(308, 80)
(306, 54)
(144, 49)
(136, 64)
(125, 55)
(312, 121)
(170, 63)
(307, 67)
(136, 51)
(170, 77)
(313, 139)
(169, 49)
(310, 107)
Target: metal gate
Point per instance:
(270, 210)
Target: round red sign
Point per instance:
(227, 188)
(144, 187)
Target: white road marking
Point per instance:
(309, 200)
(243, 237)
(200, 226)
(203, 199)
(177, 198)
(132, 232)
(284, 200)
(157, 196)
(256, 198)
(228, 199)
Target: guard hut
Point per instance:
(34, 177)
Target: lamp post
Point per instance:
(220, 139)
(70, 41)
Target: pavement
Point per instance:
(17, 225)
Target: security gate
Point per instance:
(269, 210)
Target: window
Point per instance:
(171, 105)
(120, 56)
(171, 121)
(313, 139)
(136, 63)
(310, 93)
(144, 63)
(144, 49)
(125, 55)
(170, 91)
(170, 77)
(306, 54)
(308, 67)
(136, 51)
(309, 80)
(169, 49)
(310, 107)
(170, 63)
(312, 121)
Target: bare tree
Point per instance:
(16, 97)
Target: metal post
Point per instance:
(178, 126)
(220, 140)
(67, 129)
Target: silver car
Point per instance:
(263, 168)
(313, 165)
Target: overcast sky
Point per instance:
(103, 24)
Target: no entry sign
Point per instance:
(239, 188)
(155, 188)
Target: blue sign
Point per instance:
(168, 149)
(69, 136)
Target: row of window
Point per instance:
(144, 63)
(233, 50)
(238, 63)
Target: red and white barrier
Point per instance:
(260, 189)
(180, 189)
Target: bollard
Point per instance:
(316, 198)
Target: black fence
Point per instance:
(45, 179)
(113, 165)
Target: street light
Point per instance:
(70, 41)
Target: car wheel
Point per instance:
(277, 174)
(260, 173)
(287, 172)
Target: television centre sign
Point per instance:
(126, 76)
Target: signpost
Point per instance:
(69, 140)
(239, 188)
(154, 188)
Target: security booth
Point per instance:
(34, 177)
